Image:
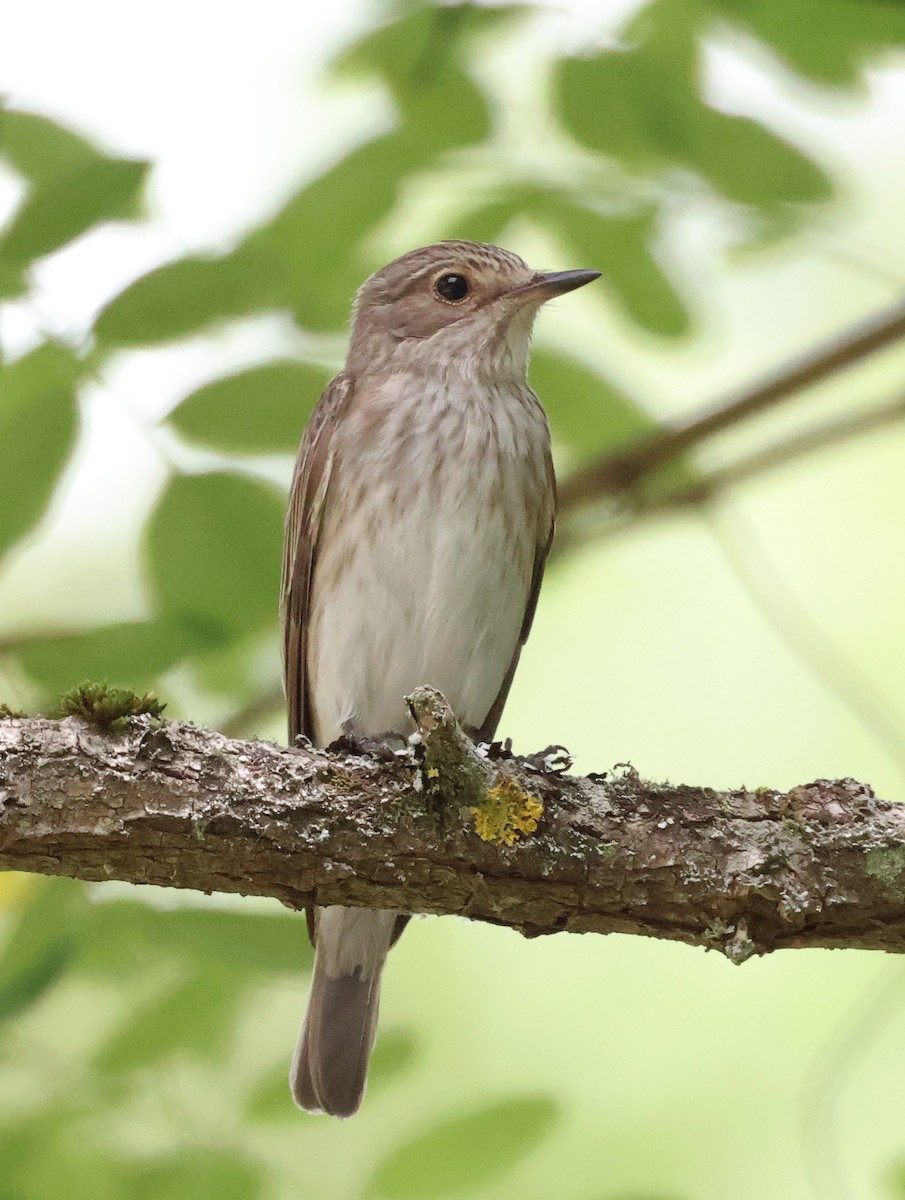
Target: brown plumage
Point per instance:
(420, 517)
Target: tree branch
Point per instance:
(167, 803)
(778, 454)
(710, 485)
(622, 469)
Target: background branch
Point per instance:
(168, 803)
(620, 470)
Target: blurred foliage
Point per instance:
(642, 106)
(635, 128)
(212, 545)
(61, 209)
(253, 411)
(827, 41)
(192, 972)
(474, 1150)
(37, 432)
(214, 549)
(72, 187)
(136, 652)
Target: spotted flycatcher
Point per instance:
(419, 521)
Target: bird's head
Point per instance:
(453, 307)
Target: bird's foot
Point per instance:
(495, 751)
(554, 760)
(385, 747)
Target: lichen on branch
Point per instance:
(108, 708)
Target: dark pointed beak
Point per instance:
(558, 282)
(546, 285)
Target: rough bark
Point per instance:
(167, 803)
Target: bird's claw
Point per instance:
(554, 760)
(354, 740)
(495, 751)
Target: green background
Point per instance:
(735, 171)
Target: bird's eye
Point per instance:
(452, 288)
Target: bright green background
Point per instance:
(146, 1035)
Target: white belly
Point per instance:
(424, 571)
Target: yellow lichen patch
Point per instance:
(507, 813)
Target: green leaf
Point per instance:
(895, 1181)
(395, 1052)
(263, 409)
(440, 108)
(13, 283)
(37, 431)
(197, 1175)
(214, 550)
(271, 1100)
(55, 909)
(642, 107)
(830, 41)
(63, 207)
(22, 988)
(39, 148)
(488, 222)
(421, 58)
(45, 1147)
(413, 50)
(41, 945)
(588, 415)
(241, 669)
(750, 165)
(280, 264)
(317, 277)
(635, 105)
(193, 1020)
(129, 654)
(183, 297)
(620, 248)
(127, 935)
(465, 1153)
(442, 112)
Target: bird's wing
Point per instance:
(307, 498)
(545, 540)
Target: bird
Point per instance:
(420, 517)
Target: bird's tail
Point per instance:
(330, 1064)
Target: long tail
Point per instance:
(330, 1064)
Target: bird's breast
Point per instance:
(437, 501)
